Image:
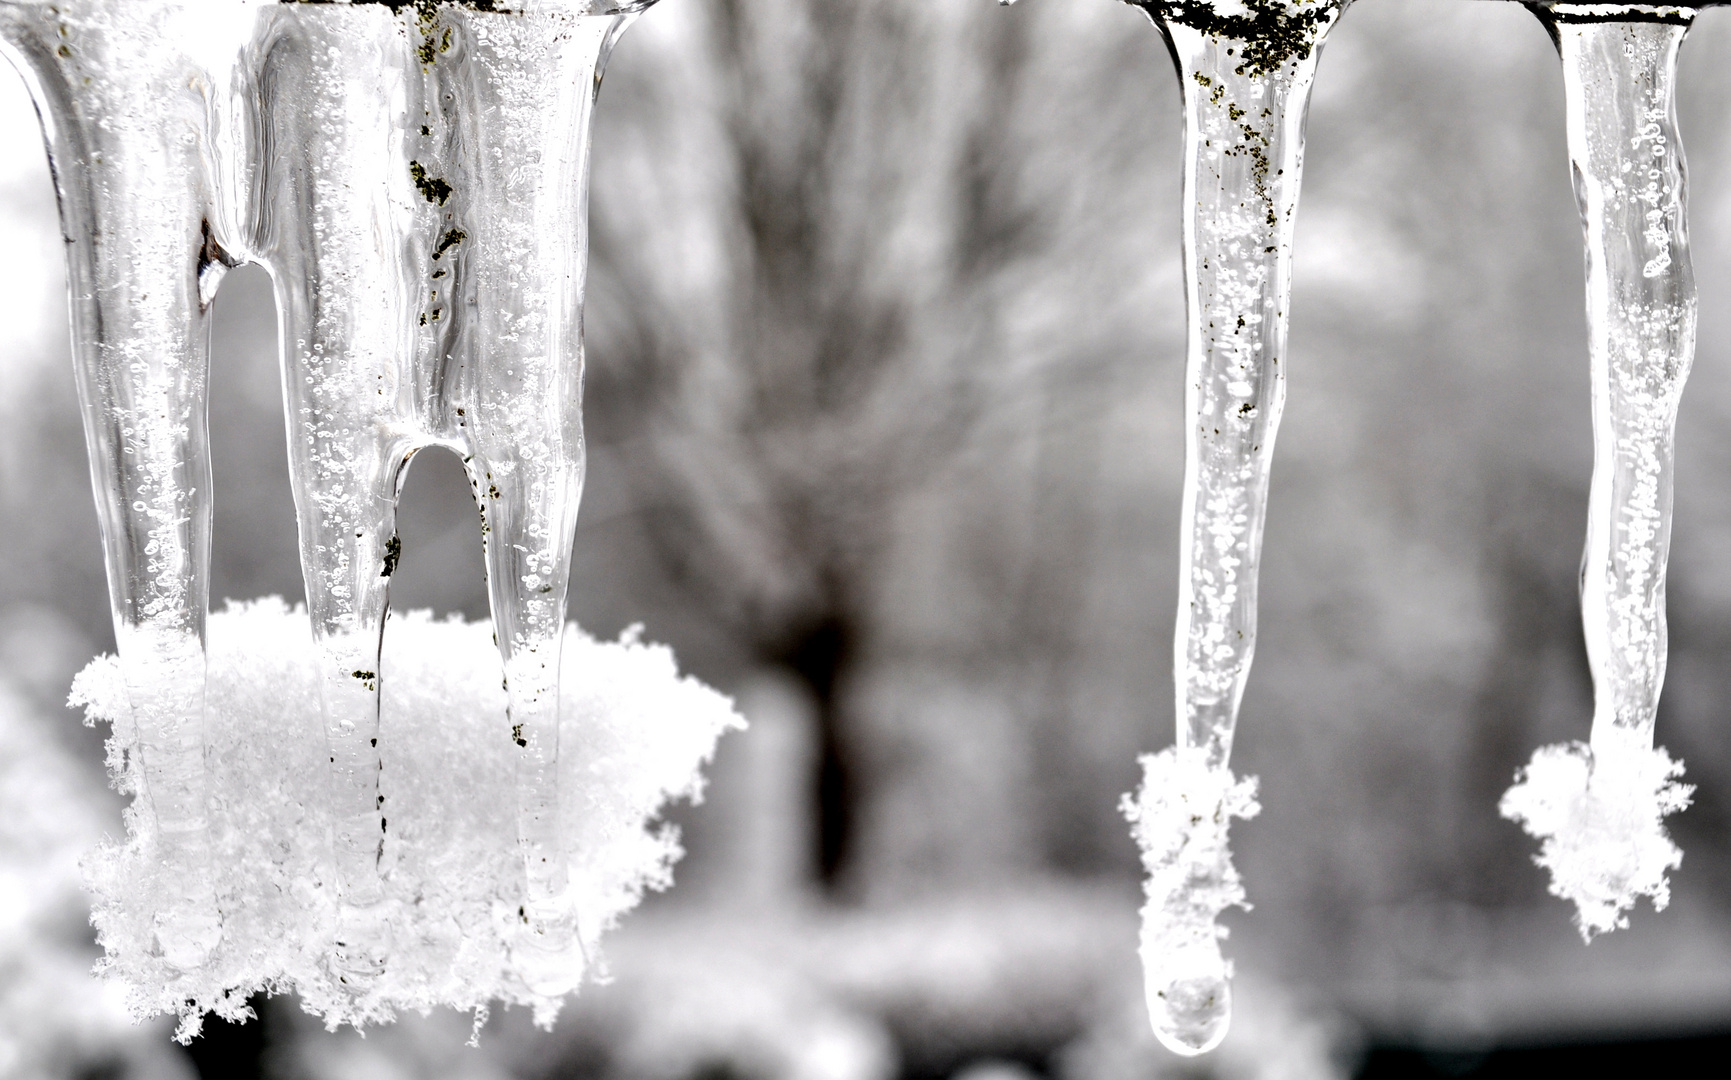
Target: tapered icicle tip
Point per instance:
(1599, 814)
(1179, 819)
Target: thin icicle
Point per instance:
(1599, 807)
(1246, 71)
(132, 97)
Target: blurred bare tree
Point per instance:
(812, 309)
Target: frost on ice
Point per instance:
(635, 734)
(1600, 817)
(1246, 71)
(1599, 807)
(414, 176)
(129, 125)
(1179, 819)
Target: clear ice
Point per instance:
(132, 97)
(1598, 807)
(422, 212)
(1246, 71)
(414, 176)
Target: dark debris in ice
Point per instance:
(1273, 31)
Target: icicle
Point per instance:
(414, 176)
(424, 218)
(1246, 71)
(132, 97)
(1599, 807)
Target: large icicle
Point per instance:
(415, 177)
(424, 218)
(1599, 807)
(132, 97)
(1246, 70)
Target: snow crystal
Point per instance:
(1180, 819)
(635, 733)
(1599, 816)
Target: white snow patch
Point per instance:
(634, 735)
(1179, 819)
(1599, 814)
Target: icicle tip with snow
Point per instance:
(1180, 818)
(1600, 818)
(1599, 809)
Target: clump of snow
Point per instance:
(634, 735)
(1599, 813)
(1180, 818)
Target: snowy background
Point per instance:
(884, 405)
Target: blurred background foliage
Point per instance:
(884, 403)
